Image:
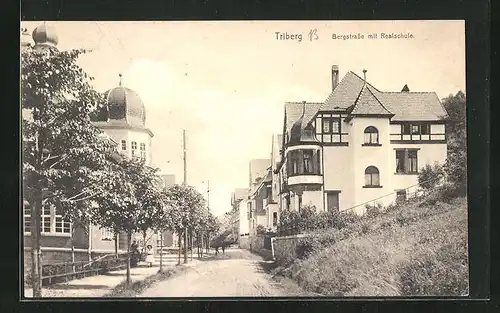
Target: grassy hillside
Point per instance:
(418, 249)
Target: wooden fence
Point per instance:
(70, 270)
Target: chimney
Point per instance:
(335, 76)
(405, 89)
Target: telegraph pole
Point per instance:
(185, 183)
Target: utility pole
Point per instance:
(185, 183)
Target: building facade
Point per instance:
(360, 146)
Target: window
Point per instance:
(61, 226)
(134, 147)
(415, 129)
(27, 218)
(406, 161)
(275, 218)
(143, 150)
(332, 201)
(372, 177)
(331, 125)
(425, 129)
(124, 145)
(107, 234)
(406, 129)
(412, 157)
(45, 227)
(295, 164)
(371, 135)
(308, 155)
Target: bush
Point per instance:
(261, 230)
(442, 274)
(430, 176)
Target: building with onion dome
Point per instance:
(123, 118)
(123, 121)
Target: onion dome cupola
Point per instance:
(123, 105)
(45, 35)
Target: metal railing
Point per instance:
(418, 191)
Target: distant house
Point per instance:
(359, 145)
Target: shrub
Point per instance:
(261, 230)
(305, 247)
(430, 175)
(444, 273)
(372, 211)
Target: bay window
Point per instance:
(303, 162)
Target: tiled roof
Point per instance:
(367, 103)
(294, 111)
(406, 106)
(346, 93)
(413, 106)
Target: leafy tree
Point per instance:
(185, 205)
(130, 201)
(456, 131)
(61, 148)
(430, 175)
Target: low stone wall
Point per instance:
(252, 243)
(285, 248)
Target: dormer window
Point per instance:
(371, 136)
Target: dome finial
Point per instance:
(120, 83)
(364, 74)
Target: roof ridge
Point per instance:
(385, 108)
(354, 107)
(365, 81)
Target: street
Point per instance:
(237, 273)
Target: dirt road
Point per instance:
(237, 273)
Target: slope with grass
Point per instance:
(418, 249)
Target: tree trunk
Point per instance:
(161, 251)
(191, 244)
(185, 245)
(201, 245)
(116, 245)
(36, 272)
(144, 241)
(179, 239)
(129, 238)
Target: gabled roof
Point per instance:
(406, 106)
(368, 104)
(346, 93)
(263, 181)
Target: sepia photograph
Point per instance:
(174, 159)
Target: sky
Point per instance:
(226, 83)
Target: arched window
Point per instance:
(372, 176)
(371, 135)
